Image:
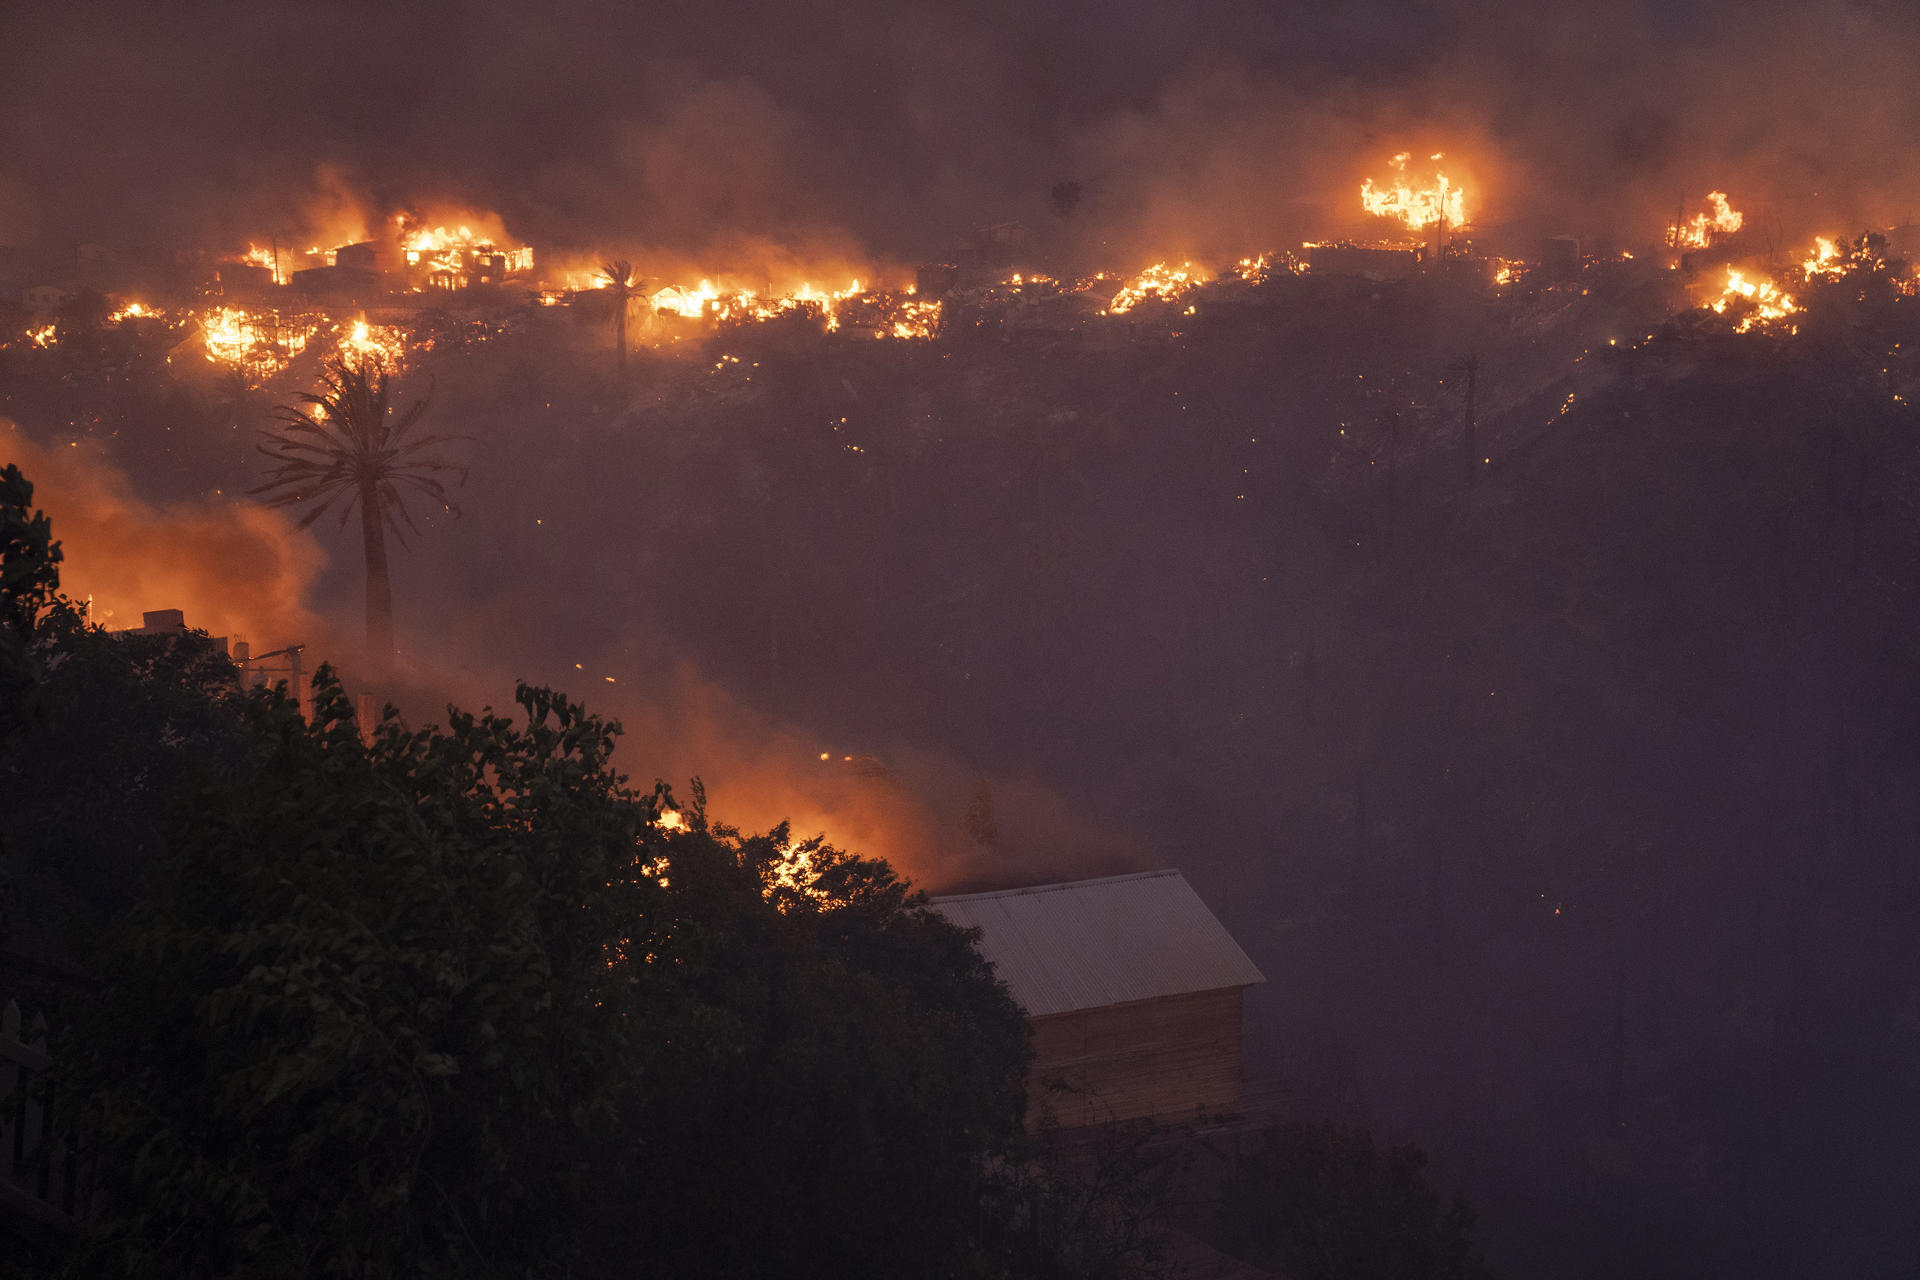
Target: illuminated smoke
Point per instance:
(233, 567)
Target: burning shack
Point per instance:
(1133, 989)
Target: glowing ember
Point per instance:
(133, 311)
(915, 319)
(456, 257)
(1157, 281)
(1253, 269)
(257, 345)
(43, 336)
(1719, 219)
(1825, 260)
(379, 346)
(705, 301)
(1439, 200)
(258, 255)
(691, 303)
(1759, 304)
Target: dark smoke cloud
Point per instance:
(898, 126)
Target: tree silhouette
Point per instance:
(345, 447)
(623, 284)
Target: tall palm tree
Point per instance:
(623, 284)
(345, 447)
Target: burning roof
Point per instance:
(1416, 204)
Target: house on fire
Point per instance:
(1133, 989)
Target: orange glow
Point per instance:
(456, 256)
(381, 346)
(1767, 306)
(1436, 200)
(1158, 281)
(1825, 259)
(1719, 219)
(258, 255)
(257, 345)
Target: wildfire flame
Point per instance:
(258, 255)
(453, 257)
(373, 346)
(1158, 281)
(1825, 260)
(1767, 305)
(914, 318)
(1719, 219)
(258, 345)
(1422, 206)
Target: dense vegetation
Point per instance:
(456, 1000)
(1318, 1202)
(1567, 800)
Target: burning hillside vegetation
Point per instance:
(412, 284)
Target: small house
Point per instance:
(1133, 989)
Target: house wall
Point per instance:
(1166, 1058)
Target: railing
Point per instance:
(42, 1173)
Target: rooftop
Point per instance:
(1084, 944)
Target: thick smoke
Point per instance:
(895, 129)
(232, 567)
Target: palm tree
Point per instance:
(623, 284)
(345, 447)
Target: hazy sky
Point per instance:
(899, 125)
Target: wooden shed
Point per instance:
(1133, 989)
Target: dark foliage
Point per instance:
(29, 579)
(454, 1001)
(126, 722)
(1323, 1203)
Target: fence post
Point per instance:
(28, 1141)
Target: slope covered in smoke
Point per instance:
(897, 127)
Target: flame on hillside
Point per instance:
(454, 256)
(1436, 199)
(258, 255)
(1824, 260)
(258, 344)
(376, 347)
(1719, 219)
(885, 313)
(1161, 280)
(1758, 304)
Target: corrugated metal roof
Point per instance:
(1064, 947)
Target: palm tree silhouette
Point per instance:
(345, 447)
(623, 284)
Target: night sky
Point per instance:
(1574, 833)
(672, 126)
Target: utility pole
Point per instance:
(295, 681)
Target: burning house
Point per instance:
(1133, 989)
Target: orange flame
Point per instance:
(1437, 201)
(1158, 281)
(1767, 306)
(1720, 219)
